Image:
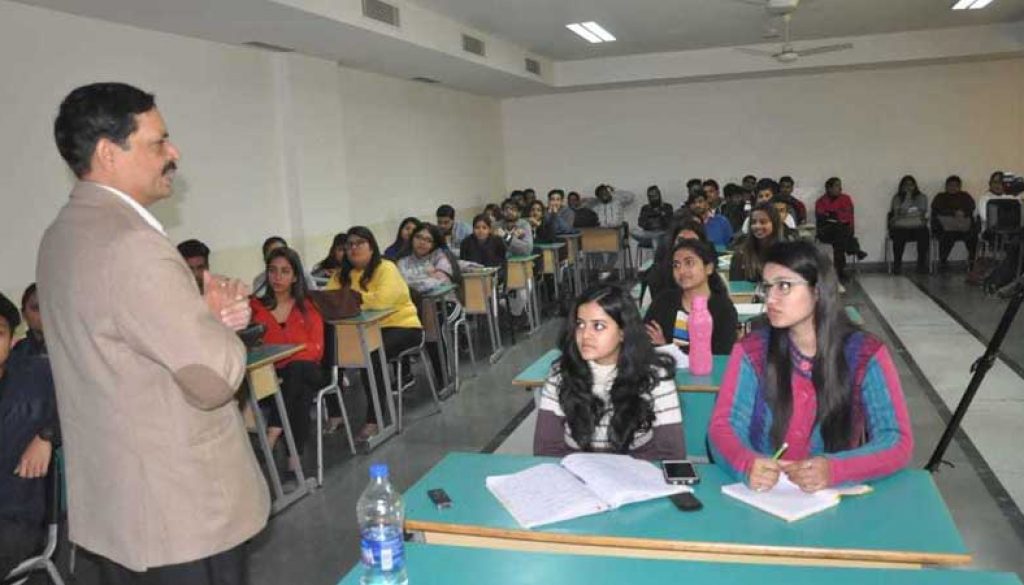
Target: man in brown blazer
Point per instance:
(163, 485)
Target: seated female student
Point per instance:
(659, 275)
(403, 239)
(381, 287)
(693, 268)
(811, 381)
(430, 265)
(483, 247)
(290, 317)
(326, 268)
(748, 257)
(610, 391)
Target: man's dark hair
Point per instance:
(446, 211)
(731, 189)
(831, 181)
(767, 185)
(780, 199)
(556, 192)
(786, 179)
(693, 183)
(510, 202)
(529, 190)
(694, 196)
(194, 248)
(9, 313)
(954, 178)
(25, 296)
(751, 177)
(516, 193)
(600, 188)
(92, 112)
(711, 183)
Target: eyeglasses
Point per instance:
(352, 244)
(764, 289)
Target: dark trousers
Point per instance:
(900, 237)
(395, 341)
(299, 382)
(947, 239)
(18, 541)
(230, 567)
(840, 236)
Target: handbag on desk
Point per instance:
(342, 303)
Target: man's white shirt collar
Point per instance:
(142, 211)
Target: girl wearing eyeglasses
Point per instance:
(811, 381)
(667, 322)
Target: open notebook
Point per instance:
(789, 502)
(580, 484)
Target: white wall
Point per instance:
(868, 127)
(271, 144)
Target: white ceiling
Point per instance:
(660, 41)
(655, 26)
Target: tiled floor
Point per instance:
(315, 541)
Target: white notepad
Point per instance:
(789, 502)
(580, 484)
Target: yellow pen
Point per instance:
(779, 453)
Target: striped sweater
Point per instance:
(741, 423)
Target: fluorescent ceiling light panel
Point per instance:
(584, 32)
(607, 37)
(972, 4)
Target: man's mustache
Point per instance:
(171, 166)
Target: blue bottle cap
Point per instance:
(378, 470)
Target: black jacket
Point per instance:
(726, 322)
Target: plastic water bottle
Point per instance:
(700, 325)
(381, 518)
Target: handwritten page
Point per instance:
(620, 479)
(789, 502)
(544, 494)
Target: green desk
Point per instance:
(854, 315)
(697, 396)
(261, 381)
(742, 291)
(903, 523)
(452, 565)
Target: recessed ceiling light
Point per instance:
(602, 34)
(971, 4)
(584, 32)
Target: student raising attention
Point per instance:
(610, 391)
(813, 381)
(667, 321)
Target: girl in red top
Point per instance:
(290, 317)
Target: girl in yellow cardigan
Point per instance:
(382, 287)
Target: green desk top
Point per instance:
(482, 271)
(551, 246)
(453, 565)
(364, 317)
(854, 315)
(438, 291)
(719, 248)
(742, 287)
(536, 373)
(527, 258)
(273, 352)
(904, 515)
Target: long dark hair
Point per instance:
(831, 373)
(439, 243)
(707, 254)
(403, 247)
(639, 370)
(899, 190)
(329, 263)
(298, 289)
(752, 250)
(375, 260)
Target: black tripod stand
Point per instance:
(1015, 292)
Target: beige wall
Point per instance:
(271, 144)
(868, 127)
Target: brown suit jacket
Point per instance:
(159, 468)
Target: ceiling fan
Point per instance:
(784, 9)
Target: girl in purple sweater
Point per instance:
(812, 382)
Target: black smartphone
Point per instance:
(680, 472)
(440, 498)
(686, 501)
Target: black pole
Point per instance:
(980, 368)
